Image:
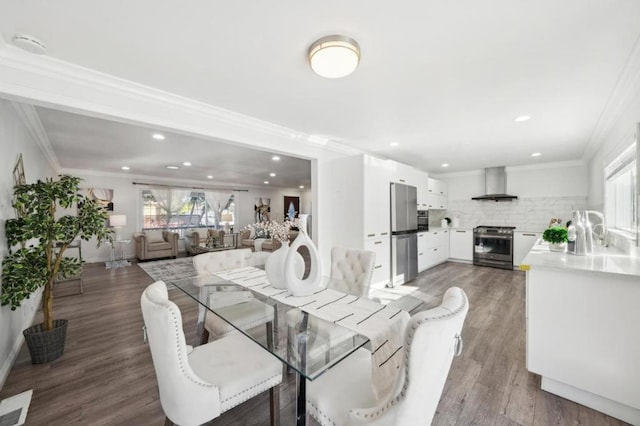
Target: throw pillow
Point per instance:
(153, 236)
(261, 233)
(202, 233)
(252, 233)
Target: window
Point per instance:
(620, 191)
(178, 209)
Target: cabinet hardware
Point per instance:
(435, 233)
(420, 254)
(435, 249)
(430, 191)
(377, 242)
(529, 235)
(441, 192)
(371, 235)
(385, 233)
(377, 267)
(462, 232)
(402, 180)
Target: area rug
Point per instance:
(170, 269)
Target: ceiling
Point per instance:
(444, 80)
(82, 142)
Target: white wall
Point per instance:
(15, 139)
(544, 191)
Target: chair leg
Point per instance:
(168, 422)
(205, 336)
(274, 399)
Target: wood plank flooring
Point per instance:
(106, 375)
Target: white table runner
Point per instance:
(384, 326)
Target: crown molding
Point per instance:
(626, 89)
(50, 82)
(31, 120)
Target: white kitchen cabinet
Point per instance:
(361, 208)
(522, 243)
(437, 247)
(461, 244)
(382, 265)
(437, 198)
(423, 247)
(423, 191)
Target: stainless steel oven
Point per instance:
(423, 220)
(493, 246)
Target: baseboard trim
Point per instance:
(11, 359)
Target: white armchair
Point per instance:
(343, 396)
(244, 312)
(353, 268)
(197, 385)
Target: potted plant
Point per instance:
(31, 265)
(556, 236)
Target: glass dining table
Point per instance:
(304, 343)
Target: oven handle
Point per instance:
(492, 236)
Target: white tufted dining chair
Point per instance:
(247, 314)
(353, 268)
(198, 384)
(343, 396)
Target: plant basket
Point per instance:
(46, 346)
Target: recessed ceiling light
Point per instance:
(522, 118)
(266, 182)
(210, 177)
(445, 164)
(394, 144)
(124, 168)
(173, 167)
(158, 136)
(275, 158)
(536, 154)
(272, 174)
(301, 186)
(186, 163)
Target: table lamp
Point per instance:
(227, 218)
(117, 222)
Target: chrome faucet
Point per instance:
(603, 234)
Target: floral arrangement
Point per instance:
(274, 229)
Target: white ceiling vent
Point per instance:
(29, 43)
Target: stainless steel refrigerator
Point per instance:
(404, 233)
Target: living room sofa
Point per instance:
(156, 244)
(268, 244)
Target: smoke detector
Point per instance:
(29, 43)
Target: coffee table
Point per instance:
(199, 249)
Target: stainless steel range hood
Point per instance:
(495, 185)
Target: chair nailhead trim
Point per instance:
(253, 389)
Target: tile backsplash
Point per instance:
(526, 214)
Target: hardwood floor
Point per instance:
(106, 375)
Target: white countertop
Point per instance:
(604, 260)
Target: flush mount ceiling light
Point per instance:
(125, 168)
(173, 167)
(445, 164)
(334, 56)
(536, 154)
(266, 182)
(394, 144)
(158, 136)
(275, 158)
(186, 163)
(210, 177)
(301, 186)
(522, 118)
(272, 174)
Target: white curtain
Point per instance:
(171, 200)
(217, 201)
